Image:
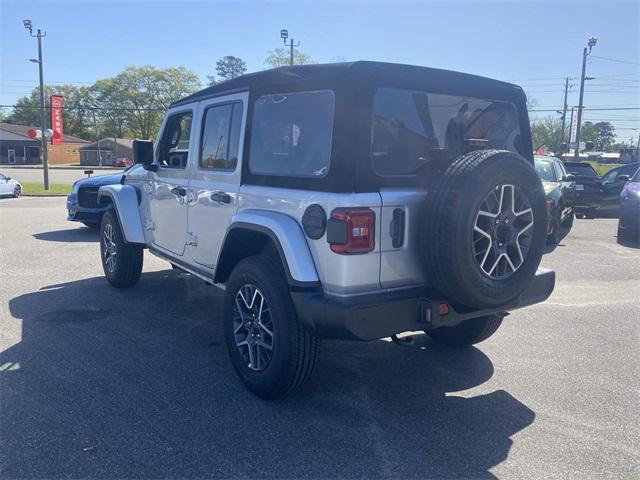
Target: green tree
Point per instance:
(105, 98)
(227, 68)
(588, 133)
(548, 131)
(605, 135)
(279, 57)
(146, 92)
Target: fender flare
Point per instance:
(287, 237)
(125, 201)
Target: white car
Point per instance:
(9, 186)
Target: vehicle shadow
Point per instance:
(80, 234)
(550, 247)
(137, 383)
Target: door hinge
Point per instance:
(149, 224)
(192, 239)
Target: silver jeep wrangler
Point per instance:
(352, 201)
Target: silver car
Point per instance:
(9, 187)
(347, 201)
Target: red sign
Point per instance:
(56, 119)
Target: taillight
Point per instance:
(549, 204)
(351, 230)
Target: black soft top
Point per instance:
(365, 73)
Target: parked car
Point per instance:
(629, 221)
(82, 201)
(123, 162)
(588, 188)
(9, 187)
(560, 190)
(612, 184)
(351, 201)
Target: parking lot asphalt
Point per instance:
(56, 175)
(98, 382)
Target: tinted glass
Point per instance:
(610, 177)
(545, 170)
(291, 134)
(558, 169)
(173, 150)
(636, 176)
(221, 137)
(581, 169)
(411, 128)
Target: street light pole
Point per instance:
(585, 53)
(564, 110)
(284, 34)
(45, 157)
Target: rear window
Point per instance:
(291, 134)
(411, 128)
(581, 169)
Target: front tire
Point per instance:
(270, 350)
(468, 332)
(121, 261)
(17, 191)
(554, 237)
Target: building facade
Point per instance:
(17, 148)
(106, 152)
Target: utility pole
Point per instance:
(564, 110)
(45, 154)
(591, 43)
(95, 126)
(284, 34)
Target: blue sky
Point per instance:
(534, 44)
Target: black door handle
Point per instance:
(180, 191)
(221, 197)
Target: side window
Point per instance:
(611, 176)
(291, 134)
(558, 168)
(221, 137)
(173, 148)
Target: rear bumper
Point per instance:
(587, 200)
(372, 316)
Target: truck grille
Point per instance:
(88, 197)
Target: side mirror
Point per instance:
(569, 178)
(623, 178)
(143, 154)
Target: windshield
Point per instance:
(545, 170)
(412, 128)
(581, 169)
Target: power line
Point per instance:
(615, 60)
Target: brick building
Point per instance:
(17, 148)
(110, 150)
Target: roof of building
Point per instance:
(361, 73)
(23, 129)
(122, 142)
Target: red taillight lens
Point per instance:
(352, 230)
(549, 204)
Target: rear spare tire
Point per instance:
(485, 229)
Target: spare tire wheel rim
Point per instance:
(253, 327)
(502, 232)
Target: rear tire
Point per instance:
(496, 195)
(468, 332)
(554, 237)
(270, 350)
(568, 222)
(121, 261)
